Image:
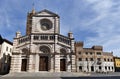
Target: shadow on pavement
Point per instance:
(89, 77)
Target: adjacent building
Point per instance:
(117, 64)
(43, 48)
(108, 62)
(5, 55)
(93, 59)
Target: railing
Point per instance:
(23, 39)
(64, 39)
(45, 38)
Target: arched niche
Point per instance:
(25, 50)
(63, 51)
(44, 49)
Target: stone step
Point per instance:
(30, 78)
(55, 75)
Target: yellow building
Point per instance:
(117, 64)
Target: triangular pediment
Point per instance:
(46, 13)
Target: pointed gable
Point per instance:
(46, 13)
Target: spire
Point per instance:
(70, 35)
(33, 8)
(18, 34)
(70, 29)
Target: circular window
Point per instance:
(46, 24)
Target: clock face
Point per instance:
(46, 24)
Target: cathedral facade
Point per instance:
(43, 48)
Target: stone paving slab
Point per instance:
(55, 75)
(87, 77)
(46, 74)
(42, 75)
(30, 78)
(105, 74)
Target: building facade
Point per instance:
(43, 48)
(117, 64)
(5, 55)
(93, 59)
(108, 62)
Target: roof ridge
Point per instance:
(46, 10)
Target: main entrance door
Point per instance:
(62, 65)
(43, 63)
(24, 65)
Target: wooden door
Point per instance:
(92, 68)
(24, 65)
(43, 63)
(62, 65)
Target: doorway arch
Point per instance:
(63, 59)
(44, 59)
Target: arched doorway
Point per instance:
(44, 58)
(43, 63)
(63, 59)
(24, 59)
(24, 65)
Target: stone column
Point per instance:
(57, 63)
(103, 67)
(68, 63)
(57, 25)
(73, 63)
(31, 63)
(52, 63)
(77, 66)
(57, 56)
(89, 66)
(85, 66)
(37, 63)
(16, 63)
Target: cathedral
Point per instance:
(43, 48)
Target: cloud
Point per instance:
(96, 22)
(12, 18)
(105, 24)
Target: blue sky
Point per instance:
(96, 22)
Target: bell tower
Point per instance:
(29, 22)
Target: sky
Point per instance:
(95, 22)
